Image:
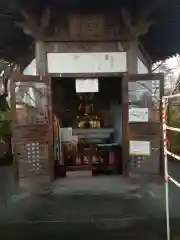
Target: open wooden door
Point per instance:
(32, 137)
(142, 135)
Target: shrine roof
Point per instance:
(161, 41)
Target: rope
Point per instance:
(173, 129)
(174, 181)
(172, 155)
(171, 96)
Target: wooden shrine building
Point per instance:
(84, 96)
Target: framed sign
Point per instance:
(138, 114)
(87, 85)
(140, 148)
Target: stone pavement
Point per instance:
(92, 207)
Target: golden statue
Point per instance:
(86, 117)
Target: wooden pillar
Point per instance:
(41, 59)
(132, 58)
(132, 68)
(125, 127)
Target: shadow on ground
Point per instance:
(92, 208)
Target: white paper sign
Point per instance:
(142, 148)
(138, 115)
(87, 85)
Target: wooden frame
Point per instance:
(85, 75)
(13, 112)
(57, 48)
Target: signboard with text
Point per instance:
(138, 114)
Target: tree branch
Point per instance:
(153, 70)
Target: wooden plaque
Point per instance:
(86, 27)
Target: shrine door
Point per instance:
(142, 148)
(32, 137)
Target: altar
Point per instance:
(88, 135)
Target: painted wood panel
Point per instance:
(87, 62)
(106, 62)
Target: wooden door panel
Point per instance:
(32, 127)
(144, 92)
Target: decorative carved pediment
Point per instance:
(34, 25)
(88, 26)
(53, 25)
(141, 27)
